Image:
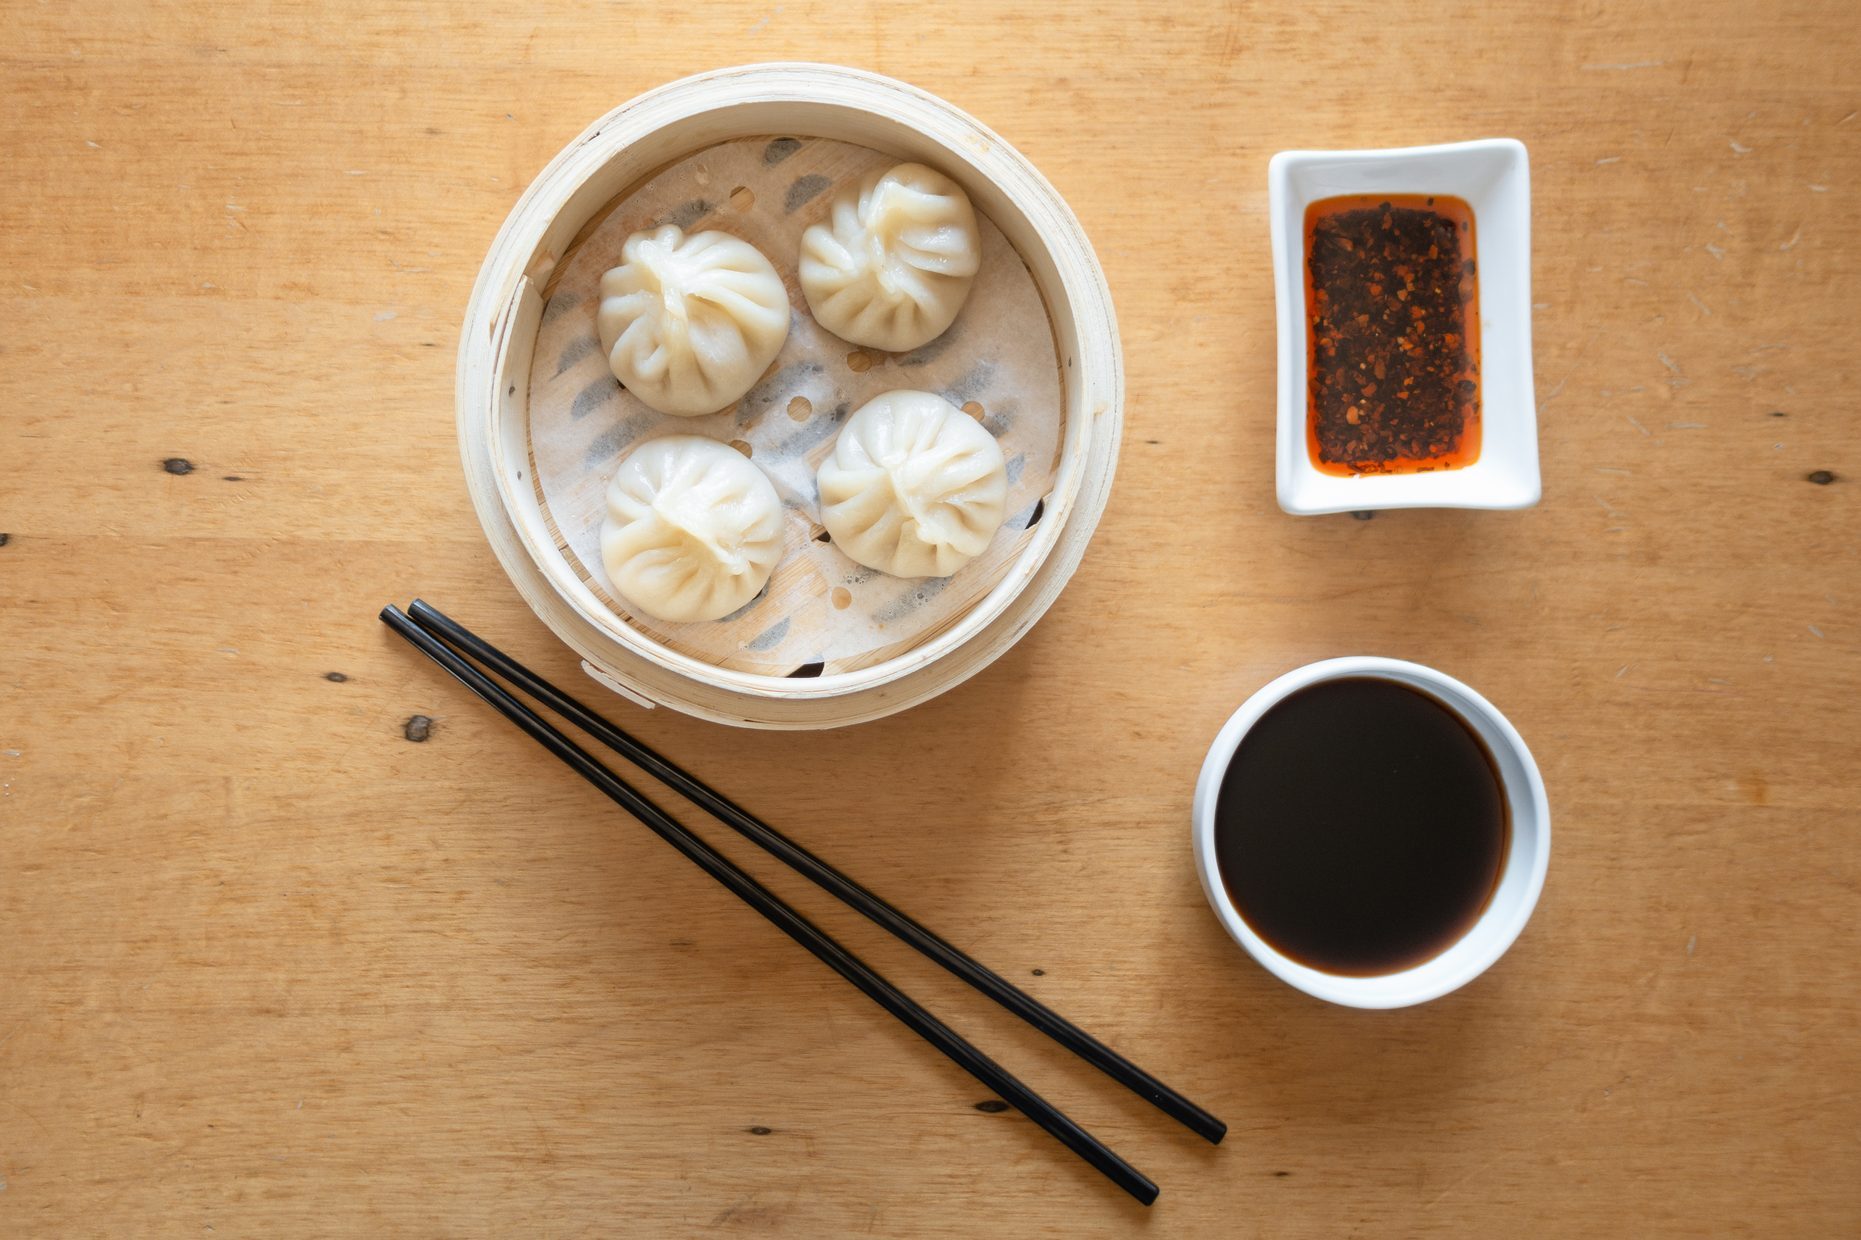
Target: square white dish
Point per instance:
(1493, 176)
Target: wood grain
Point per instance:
(268, 968)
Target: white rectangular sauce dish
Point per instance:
(1493, 177)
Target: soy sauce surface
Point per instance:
(1361, 827)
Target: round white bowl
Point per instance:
(1528, 848)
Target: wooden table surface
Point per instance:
(268, 968)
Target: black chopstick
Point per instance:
(760, 898)
(732, 815)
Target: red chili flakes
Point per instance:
(1393, 360)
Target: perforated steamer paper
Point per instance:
(997, 361)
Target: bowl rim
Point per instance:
(505, 301)
(1515, 483)
(1528, 848)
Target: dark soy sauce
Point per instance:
(1361, 827)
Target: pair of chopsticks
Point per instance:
(448, 644)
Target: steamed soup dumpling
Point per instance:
(693, 529)
(893, 262)
(690, 323)
(914, 487)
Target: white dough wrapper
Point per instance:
(690, 323)
(693, 529)
(893, 262)
(914, 487)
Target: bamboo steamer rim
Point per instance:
(618, 152)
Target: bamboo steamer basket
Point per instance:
(622, 150)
